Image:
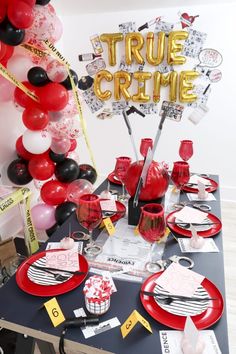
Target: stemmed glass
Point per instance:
(121, 168)
(180, 175)
(89, 214)
(186, 149)
(146, 143)
(152, 228)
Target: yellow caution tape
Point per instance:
(22, 195)
(5, 73)
(34, 50)
(54, 52)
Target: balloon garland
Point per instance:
(41, 88)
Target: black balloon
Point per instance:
(67, 170)
(85, 83)
(56, 157)
(67, 84)
(18, 172)
(42, 2)
(37, 76)
(63, 211)
(52, 229)
(88, 172)
(11, 35)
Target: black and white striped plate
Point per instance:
(184, 308)
(38, 276)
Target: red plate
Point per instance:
(212, 188)
(29, 287)
(214, 230)
(202, 321)
(121, 208)
(113, 179)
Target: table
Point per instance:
(23, 313)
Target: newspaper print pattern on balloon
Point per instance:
(148, 108)
(118, 107)
(194, 43)
(203, 96)
(162, 26)
(92, 101)
(127, 27)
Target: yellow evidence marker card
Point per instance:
(131, 321)
(109, 226)
(54, 311)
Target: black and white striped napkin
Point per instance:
(181, 307)
(40, 277)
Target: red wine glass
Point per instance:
(186, 149)
(152, 226)
(121, 168)
(180, 175)
(146, 143)
(89, 214)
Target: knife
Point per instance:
(148, 161)
(143, 176)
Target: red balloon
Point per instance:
(31, 3)
(41, 168)
(3, 47)
(156, 183)
(21, 98)
(20, 14)
(3, 9)
(9, 52)
(35, 118)
(53, 96)
(73, 145)
(53, 192)
(21, 151)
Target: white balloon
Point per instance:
(36, 142)
(19, 65)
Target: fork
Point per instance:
(164, 297)
(57, 276)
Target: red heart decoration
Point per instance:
(186, 20)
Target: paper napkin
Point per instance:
(179, 280)
(191, 215)
(65, 260)
(195, 178)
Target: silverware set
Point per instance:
(57, 276)
(168, 299)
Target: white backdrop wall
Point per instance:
(214, 137)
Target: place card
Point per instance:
(91, 331)
(78, 246)
(191, 215)
(179, 280)
(109, 205)
(194, 196)
(208, 247)
(80, 312)
(171, 342)
(64, 260)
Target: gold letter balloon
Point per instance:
(106, 75)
